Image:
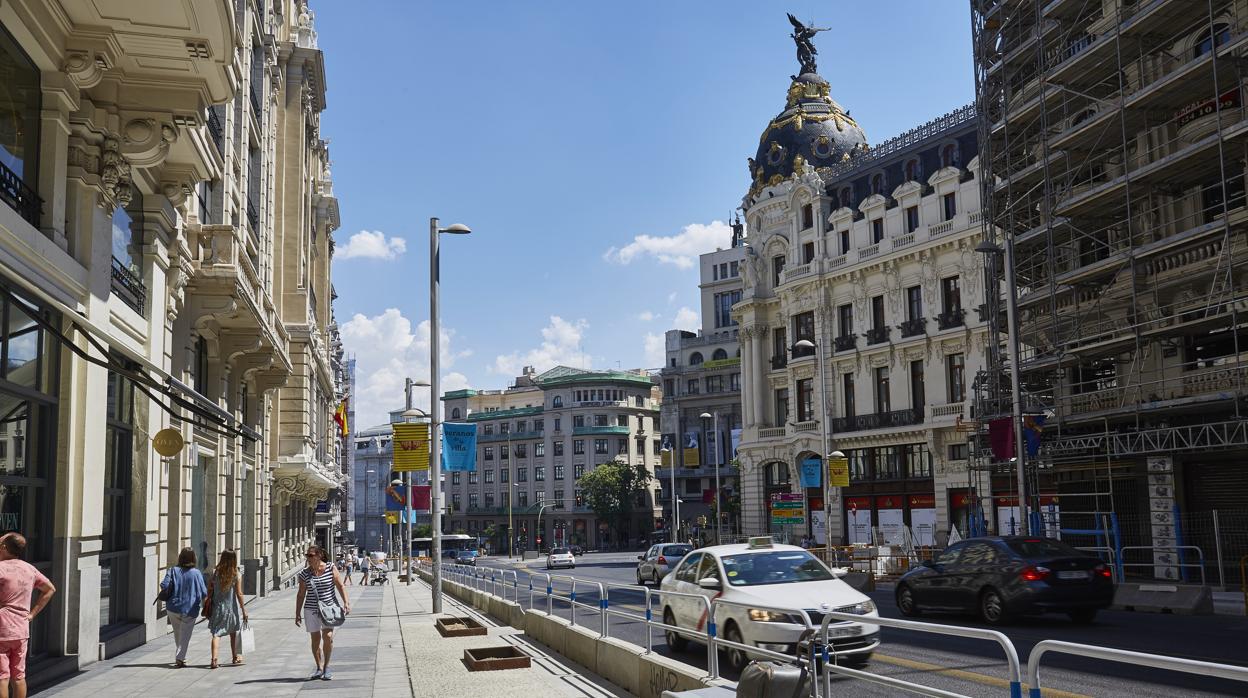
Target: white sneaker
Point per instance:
(318, 674)
(327, 675)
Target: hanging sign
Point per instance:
(810, 472)
(838, 472)
(168, 442)
(411, 447)
(459, 447)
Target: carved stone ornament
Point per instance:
(85, 68)
(879, 360)
(147, 141)
(114, 175)
(952, 348)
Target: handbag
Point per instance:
(248, 638)
(331, 613)
(207, 610)
(166, 591)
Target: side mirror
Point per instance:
(641, 557)
(709, 583)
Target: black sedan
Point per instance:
(1003, 577)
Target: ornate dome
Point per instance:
(812, 129)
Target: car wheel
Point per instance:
(737, 658)
(906, 603)
(657, 581)
(640, 582)
(674, 639)
(1083, 616)
(992, 607)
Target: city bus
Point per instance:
(451, 543)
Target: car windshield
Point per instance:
(779, 567)
(467, 553)
(1042, 548)
(559, 551)
(676, 550)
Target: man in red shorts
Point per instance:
(18, 580)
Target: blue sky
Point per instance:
(595, 149)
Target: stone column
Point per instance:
(747, 376)
(760, 374)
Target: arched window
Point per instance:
(557, 402)
(877, 184)
(695, 358)
(912, 170)
(777, 474)
(1216, 35)
(949, 156)
(719, 354)
(455, 413)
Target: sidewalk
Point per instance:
(374, 655)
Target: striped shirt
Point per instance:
(320, 587)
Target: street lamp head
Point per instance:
(414, 412)
(396, 482)
(705, 415)
(836, 454)
(456, 229)
(988, 247)
(803, 344)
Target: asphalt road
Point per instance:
(963, 665)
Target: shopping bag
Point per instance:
(247, 638)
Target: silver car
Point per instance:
(659, 560)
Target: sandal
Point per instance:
(238, 660)
(213, 665)
(179, 663)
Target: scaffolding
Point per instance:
(1113, 137)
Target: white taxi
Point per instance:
(777, 576)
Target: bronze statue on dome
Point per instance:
(806, 50)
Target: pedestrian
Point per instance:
(225, 606)
(322, 580)
(18, 580)
(348, 568)
(186, 595)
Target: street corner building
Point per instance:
(165, 218)
(868, 253)
(536, 440)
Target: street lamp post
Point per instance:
(435, 451)
(408, 414)
(511, 533)
(824, 418)
(715, 416)
(537, 534)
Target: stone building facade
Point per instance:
(165, 211)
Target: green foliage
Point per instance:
(611, 490)
(422, 531)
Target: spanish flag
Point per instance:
(340, 417)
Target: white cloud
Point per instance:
(387, 351)
(686, 319)
(372, 245)
(656, 350)
(561, 344)
(646, 316)
(681, 249)
(671, 298)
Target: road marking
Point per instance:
(967, 675)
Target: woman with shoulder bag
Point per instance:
(225, 610)
(318, 583)
(183, 592)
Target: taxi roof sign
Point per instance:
(756, 542)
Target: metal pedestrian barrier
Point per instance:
(1200, 558)
(1156, 661)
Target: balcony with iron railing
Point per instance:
(216, 129)
(255, 101)
(19, 196)
(128, 286)
(878, 420)
(779, 361)
(878, 335)
(913, 327)
(845, 342)
(951, 318)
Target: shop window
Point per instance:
(20, 98)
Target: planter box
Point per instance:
(459, 627)
(495, 658)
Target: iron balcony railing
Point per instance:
(216, 130)
(20, 196)
(779, 361)
(913, 326)
(253, 218)
(128, 286)
(879, 420)
(845, 342)
(951, 318)
(878, 335)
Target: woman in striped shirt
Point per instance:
(323, 580)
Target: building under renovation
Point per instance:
(1113, 142)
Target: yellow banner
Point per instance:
(392, 517)
(692, 458)
(665, 458)
(411, 447)
(838, 472)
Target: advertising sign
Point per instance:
(692, 454)
(811, 472)
(459, 447)
(736, 443)
(667, 449)
(411, 447)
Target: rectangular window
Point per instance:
(714, 384)
(656, 447)
(808, 252)
(733, 269)
(578, 420)
(621, 446)
(882, 402)
(558, 424)
(578, 447)
(914, 303)
(539, 449)
(912, 219)
(951, 295)
(621, 420)
(805, 399)
(558, 471)
(504, 476)
(539, 473)
(955, 372)
(522, 474)
(723, 270)
(808, 216)
(489, 477)
(779, 348)
(600, 420)
(504, 453)
(734, 382)
(558, 448)
(522, 500)
(844, 241)
(859, 465)
(887, 463)
(957, 451)
(600, 446)
(847, 393)
(504, 428)
(489, 430)
(489, 453)
(918, 461)
(520, 427)
(540, 495)
(457, 502)
(877, 313)
(782, 406)
(559, 499)
(918, 396)
(578, 470)
(539, 425)
(455, 478)
(804, 328)
(489, 500)
(950, 202)
(691, 387)
(777, 268)
(877, 230)
(472, 477)
(522, 450)
(845, 320)
(723, 308)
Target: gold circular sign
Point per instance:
(168, 442)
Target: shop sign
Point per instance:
(168, 442)
(1190, 113)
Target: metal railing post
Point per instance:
(1217, 550)
(1156, 661)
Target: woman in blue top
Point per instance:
(188, 592)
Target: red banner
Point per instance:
(922, 501)
(858, 503)
(1045, 500)
(1190, 113)
(891, 501)
(420, 497)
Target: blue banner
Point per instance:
(396, 497)
(812, 472)
(459, 447)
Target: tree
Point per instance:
(611, 491)
(423, 531)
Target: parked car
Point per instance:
(659, 560)
(560, 557)
(764, 573)
(467, 557)
(1007, 576)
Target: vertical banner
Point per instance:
(838, 472)
(736, 444)
(411, 447)
(712, 448)
(810, 473)
(667, 449)
(459, 447)
(420, 498)
(692, 454)
(396, 497)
